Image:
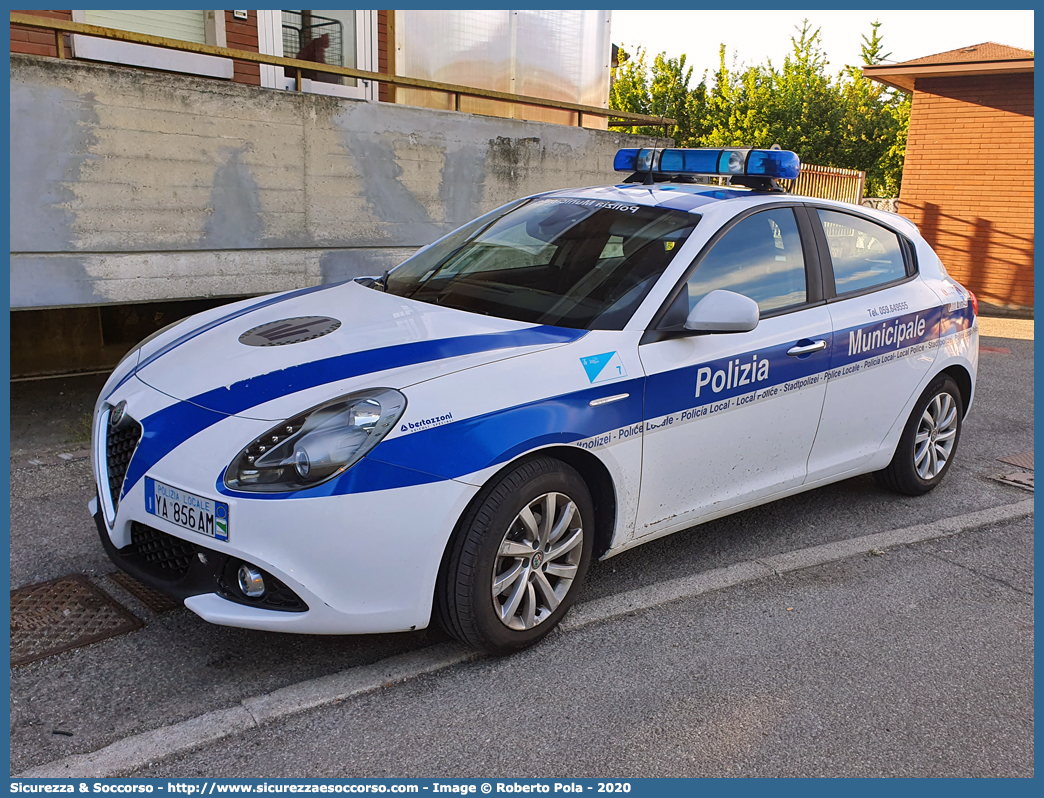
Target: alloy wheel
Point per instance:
(936, 434)
(537, 561)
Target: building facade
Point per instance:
(968, 175)
(555, 55)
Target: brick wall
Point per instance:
(241, 34)
(33, 41)
(968, 181)
(382, 54)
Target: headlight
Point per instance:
(317, 445)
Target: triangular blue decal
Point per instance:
(594, 364)
(600, 368)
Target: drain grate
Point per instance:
(152, 599)
(65, 613)
(1020, 479)
(1020, 460)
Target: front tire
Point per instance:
(518, 558)
(929, 440)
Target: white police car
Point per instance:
(564, 378)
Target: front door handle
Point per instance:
(806, 349)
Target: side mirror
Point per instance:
(723, 312)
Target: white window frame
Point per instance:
(112, 51)
(270, 42)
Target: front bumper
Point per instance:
(183, 569)
(346, 564)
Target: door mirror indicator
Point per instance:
(723, 311)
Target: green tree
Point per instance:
(629, 87)
(803, 108)
(662, 90)
(890, 164)
(733, 104)
(876, 121)
(669, 91)
(872, 48)
(846, 121)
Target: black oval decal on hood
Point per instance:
(289, 331)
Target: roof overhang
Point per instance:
(900, 76)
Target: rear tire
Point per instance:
(518, 558)
(929, 441)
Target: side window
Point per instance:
(864, 254)
(760, 258)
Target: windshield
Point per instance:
(567, 262)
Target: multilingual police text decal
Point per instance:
(705, 390)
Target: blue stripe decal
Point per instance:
(164, 431)
(255, 391)
(686, 201)
(471, 445)
(167, 429)
(452, 450)
(772, 369)
(210, 325)
(365, 476)
(465, 447)
(468, 446)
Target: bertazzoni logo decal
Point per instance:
(289, 331)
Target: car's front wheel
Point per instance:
(518, 558)
(929, 440)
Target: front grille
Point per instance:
(182, 569)
(168, 557)
(120, 444)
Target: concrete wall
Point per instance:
(134, 186)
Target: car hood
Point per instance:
(326, 341)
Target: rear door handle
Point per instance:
(806, 349)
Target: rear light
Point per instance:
(975, 303)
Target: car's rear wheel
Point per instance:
(518, 558)
(929, 440)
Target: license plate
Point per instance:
(205, 516)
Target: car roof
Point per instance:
(672, 196)
(698, 197)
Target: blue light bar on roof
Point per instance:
(781, 164)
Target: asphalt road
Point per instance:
(943, 648)
(918, 662)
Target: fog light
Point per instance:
(251, 582)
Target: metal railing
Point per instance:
(61, 27)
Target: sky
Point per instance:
(757, 35)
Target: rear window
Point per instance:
(567, 262)
(863, 254)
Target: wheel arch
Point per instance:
(592, 470)
(962, 377)
(599, 482)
